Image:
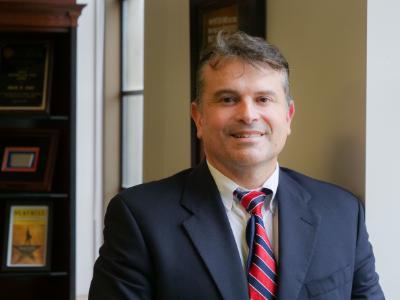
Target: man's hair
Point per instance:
(249, 49)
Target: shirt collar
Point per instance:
(226, 186)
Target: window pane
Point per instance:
(132, 140)
(132, 45)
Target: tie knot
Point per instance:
(252, 201)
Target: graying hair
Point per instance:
(251, 50)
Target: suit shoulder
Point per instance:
(328, 193)
(158, 190)
(158, 187)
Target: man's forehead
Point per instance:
(237, 66)
(231, 69)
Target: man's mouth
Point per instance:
(243, 135)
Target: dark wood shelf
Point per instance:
(14, 195)
(53, 22)
(50, 15)
(5, 118)
(34, 274)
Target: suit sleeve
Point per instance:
(123, 269)
(366, 280)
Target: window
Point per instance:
(132, 22)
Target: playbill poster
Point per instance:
(27, 238)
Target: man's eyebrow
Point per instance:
(266, 92)
(224, 91)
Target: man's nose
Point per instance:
(247, 111)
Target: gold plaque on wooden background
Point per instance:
(217, 19)
(25, 76)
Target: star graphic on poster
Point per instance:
(26, 251)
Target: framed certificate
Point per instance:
(208, 17)
(27, 236)
(25, 76)
(27, 159)
(215, 19)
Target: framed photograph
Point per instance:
(27, 158)
(25, 76)
(27, 236)
(207, 18)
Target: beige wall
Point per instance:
(325, 44)
(166, 88)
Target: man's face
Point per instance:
(243, 117)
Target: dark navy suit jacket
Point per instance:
(171, 239)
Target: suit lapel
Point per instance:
(210, 232)
(298, 226)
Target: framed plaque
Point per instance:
(27, 236)
(25, 76)
(27, 158)
(215, 19)
(207, 18)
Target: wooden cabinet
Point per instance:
(52, 22)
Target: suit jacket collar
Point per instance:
(298, 227)
(211, 234)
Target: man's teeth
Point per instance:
(248, 135)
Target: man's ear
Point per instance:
(197, 117)
(290, 114)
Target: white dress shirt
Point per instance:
(238, 216)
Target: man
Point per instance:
(237, 226)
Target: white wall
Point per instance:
(89, 141)
(383, 139)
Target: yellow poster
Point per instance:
(27, 239)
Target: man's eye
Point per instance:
(228, 100)
(264, 99)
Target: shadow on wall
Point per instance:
(347, 168)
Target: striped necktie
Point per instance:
(262, 271)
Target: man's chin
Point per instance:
(249, 161)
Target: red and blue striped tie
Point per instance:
(262, 271)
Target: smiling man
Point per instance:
(243, 117)
(237, 226)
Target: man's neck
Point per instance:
(247, 177)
